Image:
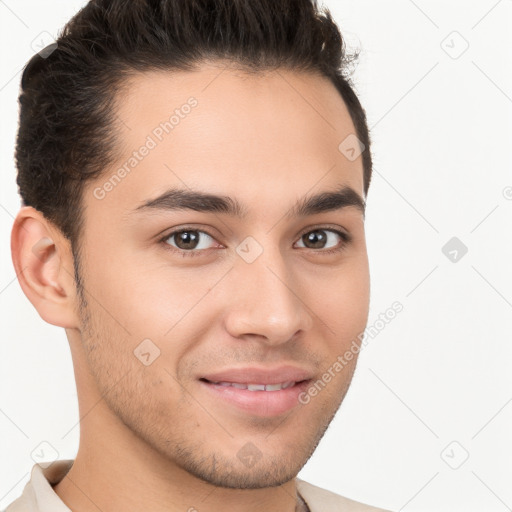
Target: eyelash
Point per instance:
(345, 237)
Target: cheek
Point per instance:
(156, 309)
(128, 364)
(342, 300)
(145, 299)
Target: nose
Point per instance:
(267, 301)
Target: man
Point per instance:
(194, 176)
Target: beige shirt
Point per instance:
(39, 496)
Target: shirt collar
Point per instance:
(41, 480)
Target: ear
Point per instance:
(43, 262)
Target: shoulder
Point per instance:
(24, 503)
(322, 500)
(38, 493)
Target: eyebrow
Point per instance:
(181, 199)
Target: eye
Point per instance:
(188, 242)
(322, 238)
(194, 242)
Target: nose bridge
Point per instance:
(266, 302)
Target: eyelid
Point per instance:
(335, 228)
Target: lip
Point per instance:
(258, 403)
(254, 375)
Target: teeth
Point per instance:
(258, 387)
(273, 387)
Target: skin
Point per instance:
(150, 436)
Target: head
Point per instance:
(193, 195)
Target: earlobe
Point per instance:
(44, 267)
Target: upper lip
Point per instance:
(254, 375)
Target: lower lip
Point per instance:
(259, 403)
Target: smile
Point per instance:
(258, 387)
(257, 399)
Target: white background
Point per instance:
(440, 371)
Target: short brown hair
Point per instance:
(67, 110)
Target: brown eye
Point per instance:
(189, 239)
(322, 239)
(186, 239)
(315, 239)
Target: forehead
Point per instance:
(267, 135)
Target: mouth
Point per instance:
(257, 398)
(255, 387)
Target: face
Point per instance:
(257, 283)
